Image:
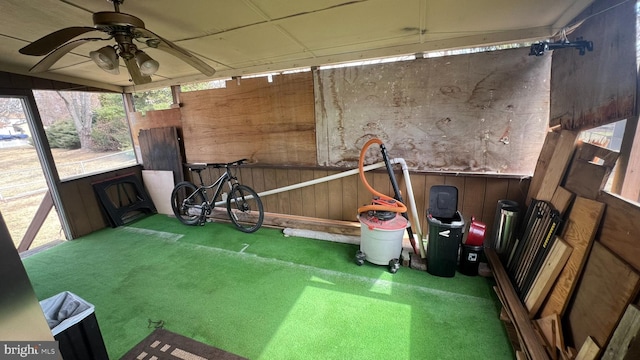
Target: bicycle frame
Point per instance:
(226, 177)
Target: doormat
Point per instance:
(162, 344)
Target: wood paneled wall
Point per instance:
(81, 204)
(268, 122)
(339, 199)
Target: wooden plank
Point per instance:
(321, 191)
(607, 286)
(270, 182)
(283, 221)
(558, 165)
(350, 198)
(283, 198)
(520, 317)
(596, 89)
(544, 159)
(551, 328)
(473, 202)
(267, 122)
(586, 179)
(548, 274)
(589, 350)
(295, 196)
(630, 188)
(579, 233)
(562, 199)
(620, 226)
(625, 342)
(160, 150)
(598, 154)
(308, 194)
(36, 223)
(335, 196)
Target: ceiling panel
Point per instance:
(245, 45)
(349, 26)
(247, 36)
(276, 9)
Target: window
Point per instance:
(87, 132)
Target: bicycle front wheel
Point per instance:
(186, 202)
(245, 208)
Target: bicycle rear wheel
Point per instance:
(186, 202)
(245, 208)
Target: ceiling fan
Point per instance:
(124, 29)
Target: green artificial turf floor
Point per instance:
(266, 296)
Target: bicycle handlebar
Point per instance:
(201, 166)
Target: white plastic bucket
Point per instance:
(381, 240)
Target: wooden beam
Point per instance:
(520, 316)
(620, 171)
(36, 222)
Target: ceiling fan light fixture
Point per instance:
(107, 59)
(147, 65)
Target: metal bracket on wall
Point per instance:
(583, 46)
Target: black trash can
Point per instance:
(73, 324)
(445, 237)
(470, 259)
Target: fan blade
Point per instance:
(135, 73)
(175, 50)
(55, 55)
(48, 43)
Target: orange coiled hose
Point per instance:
(397, 206)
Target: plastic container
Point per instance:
(470, 259)
(73, 324)
(381, 240)
(445, 237)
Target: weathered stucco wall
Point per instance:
(485, 112)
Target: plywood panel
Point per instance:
(268, 123)
(580, 230)
(597, 88)
(620, 228)
(477, 112)
(160, 150)
(321, 195)
(607, 286)
(153, 119)
(159, 185)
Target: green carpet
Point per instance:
(266, 296)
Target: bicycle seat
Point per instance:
(197, 166)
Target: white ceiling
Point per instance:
(240, 37)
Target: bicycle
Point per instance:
(191, 204)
